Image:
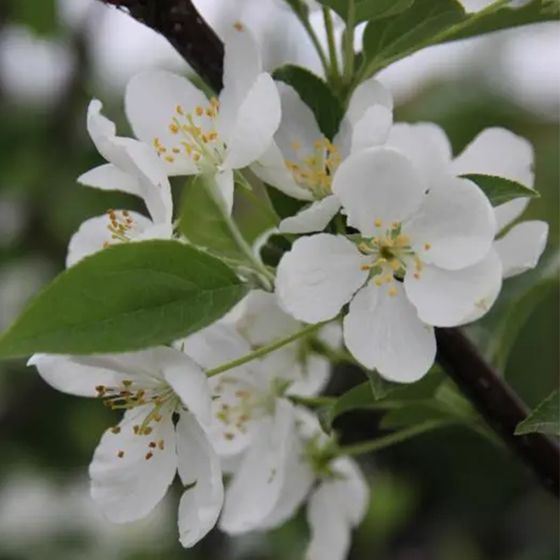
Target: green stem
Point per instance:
(267, 277)
(349, 44)
(302, 16)
(312, 402)
(331, 42)
(264, 350)
(391, 439)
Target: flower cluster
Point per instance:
(401, 242)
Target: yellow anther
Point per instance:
(378, 223)
(176, 150)
(199, 111)
(427, 246)
(392, 291)
(179, 110)
(174, 128)
(169, 159)
(196, 156)
(238, 26)
(366, 267)
(402, 240)
(395, 264)
(378, 280)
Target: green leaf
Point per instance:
(368, 9)
(316, 94)
(126, 297)
(203, 224)
(500, 190)
(545, 419)
(429, 22)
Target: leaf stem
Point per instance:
(264, 350)
(391, 439)
(302, 15)
(349, 44)
(331, 42)
(267, 277)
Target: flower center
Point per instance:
(234, 406)
(392, 256)
(197, 137)
(315, 171)
(128, 396)
(120, 225)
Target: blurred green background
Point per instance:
(444, 496)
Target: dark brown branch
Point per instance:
(498, 404)
(181, 24)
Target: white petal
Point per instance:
(156, 190)
(224, 186)
(261, 320)
(188, 381)
(298, 130)
(242, 60)
(427, 146)
(318, 276)
(254, 126)
(242, 66)
(109, 177)
(311, 377)
(93, 235)
(256, 487)
(521, 247)
(127, 488)
(383, 332)
(330, 532)
(447, 298)
(297, 484)
(352, 490)
(377, 184)
(457, 222)
(70, 375)
(198, 464)
(101, 130)
(497, 151)
(271, 168)
(372, 129)
(215, 345)
(367, 94)
(312, 218)
(151, 100)
(509, 211)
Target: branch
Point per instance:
(181, 24)
(498, 404)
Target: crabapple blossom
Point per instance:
(336, 491)
(136, 461)
(303, 163)
(422, 258)
(195, 135)
(133, 168)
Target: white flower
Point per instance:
(497, 151)
(336, 491)
(133, 168)
(423, 259)
(302, 163)
(136, 461)
(253, 425)
(194, 135)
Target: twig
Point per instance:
(498, 404)
(183, 26)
